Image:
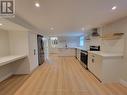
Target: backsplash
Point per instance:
(112, 46)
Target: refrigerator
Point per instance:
(40, 49)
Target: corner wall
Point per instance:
(4, 43)
(33, 47)
(18, 41)
(117, 45)
(5, 71)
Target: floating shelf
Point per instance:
(112, 36)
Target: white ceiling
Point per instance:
(10, 26)
(68, 16)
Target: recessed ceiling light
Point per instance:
(1, 24)
(114, 8)
(51, 28)
(37, 4)
(83, 29)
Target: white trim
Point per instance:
(123, 82)
(5, 77)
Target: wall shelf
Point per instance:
(112, 36)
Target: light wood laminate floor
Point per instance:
(59, 76)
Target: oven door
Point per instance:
(84, 58)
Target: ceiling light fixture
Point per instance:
(51, 28)
(114, 8)
(37, 4)
(1, 24)
(83, 29)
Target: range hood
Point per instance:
(95, 32)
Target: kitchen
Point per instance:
(92, 51)
(62, 47)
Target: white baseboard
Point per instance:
(5, 77)
(123, 82)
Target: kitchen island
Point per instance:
(66, 51)
(107, 67)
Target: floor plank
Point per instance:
(59, 76)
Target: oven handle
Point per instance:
(84, 53)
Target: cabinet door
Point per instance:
(98, 66)
(91, 62)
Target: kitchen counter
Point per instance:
(105, 54)
(8, 59)
(81, 48)
(107, 67)
(69, 51)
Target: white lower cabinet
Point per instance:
(106, 69)
(95, 64)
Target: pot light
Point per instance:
(37, 4)
(51, 28)
(1, 24)
(83, 29)
(114, 8)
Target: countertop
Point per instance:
(81, 48)
(8, 59)
(106, 54)
(65, 48)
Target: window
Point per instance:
(81, 41)
(54, 41)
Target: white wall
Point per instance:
(18, 41)
(116, 45)
(23, 42)
(119, 26)
(4, 43)
(33, 59)
(5, 71)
